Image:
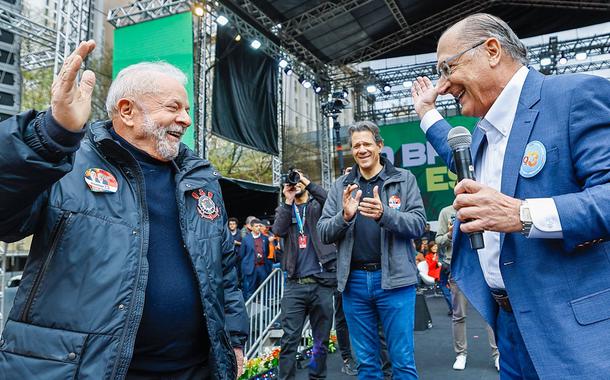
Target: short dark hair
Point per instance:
(255, 221)
(364, 126)
(233, 219)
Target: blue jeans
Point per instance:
(365, 303)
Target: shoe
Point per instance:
(497, 363)
(460, 363)
(349, 367)
(450, 313)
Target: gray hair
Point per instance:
(139, 79)
(364, 126)
(481, 26)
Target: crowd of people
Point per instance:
(135, 271)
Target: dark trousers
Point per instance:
(345, 346)
(194, 373)
(515, 362)
(253, 281)
(299, 301)
(443, 283)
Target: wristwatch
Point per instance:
(526, 218)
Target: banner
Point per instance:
(168, 39)
(406, 147)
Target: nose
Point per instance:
(442, 85)
(184, 118)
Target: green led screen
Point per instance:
(168, 39)
(406, 146)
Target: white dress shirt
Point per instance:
(496, 125)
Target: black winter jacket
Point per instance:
(80, 301)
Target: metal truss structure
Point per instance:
(325, 153)
(72, 27)
(141, 11)
(276, 164)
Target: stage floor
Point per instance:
(434, 355)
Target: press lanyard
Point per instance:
(297, 215)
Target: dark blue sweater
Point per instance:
(173, 333)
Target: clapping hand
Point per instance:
(372, 207)
(71, 103)
(350, 204)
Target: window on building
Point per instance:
(6, 36)
(7, 99)
(7, 57)
(7, 78)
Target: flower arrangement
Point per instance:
(266, 365)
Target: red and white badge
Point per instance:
(302, 241)
(394, 202)
(100, 181)
(206, 207)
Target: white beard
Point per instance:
(168, 150)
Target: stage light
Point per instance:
(283, 63)
(387, 87)
(255, 44)
(304, 81)
(407, 84)
(222, 20)
(371, 88)
(288, 70)
(563, 60)
(316, 87)
(545, 61)
(198, 10)
(237, 38)
(581, 56)
(345, 93)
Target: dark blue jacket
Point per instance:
(81, 298)
(248, 255)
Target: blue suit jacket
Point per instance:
(247, 254)
(559, 288)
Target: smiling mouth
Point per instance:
(175, 134)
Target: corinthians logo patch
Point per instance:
(206, 207)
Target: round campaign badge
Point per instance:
(100, 181)
(533, 160)
(394, 202)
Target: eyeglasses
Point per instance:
(444, 67)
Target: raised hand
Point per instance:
(290, 192)
(71, 103)
(424, 95)
(350, 204)
(372, 207)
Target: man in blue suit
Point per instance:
(541, 154)
(255, 262)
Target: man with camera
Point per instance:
(310, 267)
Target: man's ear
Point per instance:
(494, 51)
(127, 111)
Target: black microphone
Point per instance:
(459, 140)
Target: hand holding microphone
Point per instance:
(480, 207)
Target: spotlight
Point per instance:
(407, 84)
(237, 38)
(222, 20)
(316, 87)
(345, 93)
(304, 81)
(198, 10)
(581, 56)
(563, 60)
(283, 63)
(387, 87)
(371, 89)
(288, 70)
(545, 61)
(255, 44)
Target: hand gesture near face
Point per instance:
(350, 204)
(372, 207)
(290, 193)
(71, 102)
(424, 96)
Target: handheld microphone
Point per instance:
(459, 140)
